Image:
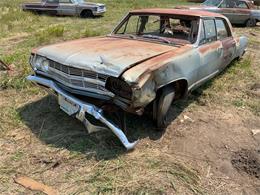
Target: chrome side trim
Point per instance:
(86, 108)
(204, 79)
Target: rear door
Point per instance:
(228, 43)
(67, 7)
(51, 6)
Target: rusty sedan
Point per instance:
(152, 58)
(66, 8)
(237, 11)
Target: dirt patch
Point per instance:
(247, 161)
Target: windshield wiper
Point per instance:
(157, 37)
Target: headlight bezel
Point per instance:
(119, 87)
(39, 63)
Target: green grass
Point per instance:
(94, 163)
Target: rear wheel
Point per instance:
(162, 105)
(86, 14)
(251, 22)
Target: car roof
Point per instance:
(183, 12)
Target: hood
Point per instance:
(106, 55)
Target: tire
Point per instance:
(86, 14)
(161, 107)
(251, 22)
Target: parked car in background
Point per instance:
(196, 1)
(152, 58)
(256, 2)
(66, 8)
(237, 11)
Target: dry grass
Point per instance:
(40, 141)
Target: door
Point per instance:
(210, 51)
(241, 12)
(67, 8)
(227, 9)
(51, 6)
(236, 11)
(229, 44)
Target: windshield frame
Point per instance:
(128, 36)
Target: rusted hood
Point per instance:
(197, 7)
(107, 55)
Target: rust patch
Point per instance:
(183, 12)
(155, 63)
(209, 47)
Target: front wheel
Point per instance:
(86, 14)
(162, 105)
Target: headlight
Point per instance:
(40, 63)
(45, 65)
(119, 87)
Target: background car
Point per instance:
(66, 8)
(237, 11)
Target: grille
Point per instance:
(76, 77)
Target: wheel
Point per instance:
(86, 14)
(251, 22)
(161, 107)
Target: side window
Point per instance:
(210, 30)
(222, 32)
(64, 1)
(52, 1)
(223, 4)
(228, 4)
(242, 5)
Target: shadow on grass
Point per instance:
(54, 127)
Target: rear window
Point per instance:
(222, 32)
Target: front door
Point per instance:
(67, 8)
(210, 51)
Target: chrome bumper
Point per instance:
(99, 13)
(84, 108)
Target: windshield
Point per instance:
(212, 2)
(78, 1)
(163, 28)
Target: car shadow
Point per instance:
(55, 128)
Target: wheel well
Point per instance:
(180, 86)
(86, 13)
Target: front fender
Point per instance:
(241, 46)
(161, 71)
(255, 14)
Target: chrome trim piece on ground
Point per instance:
(86, 108)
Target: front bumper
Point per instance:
(84, 108)
(99, 12)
